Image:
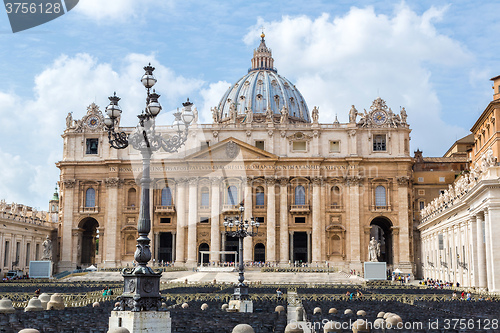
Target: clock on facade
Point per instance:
(379, 117)
(93, 122)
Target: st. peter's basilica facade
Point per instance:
(319, 191)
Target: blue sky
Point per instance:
(435, 58)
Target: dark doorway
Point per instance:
(300, 247)
(259, 253)
(165, 249)
(231, 245)
(381, 230)
(203, 247)
(89, 236)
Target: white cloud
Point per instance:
(352, 59)
(118, 10)
(211, 98)
(33, 126)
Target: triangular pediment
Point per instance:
(231, 149)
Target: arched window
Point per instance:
(336, 197)
(300, 195)
(166, 197)
(90, 198)
(205, 197)
(259, 196)
(130, 245)
(232, 195)
(132, 195)
(380, 196)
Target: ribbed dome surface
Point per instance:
(262, 89)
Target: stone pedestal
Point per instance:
(240, 306)
(375, 270)
(141, 322)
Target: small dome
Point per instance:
(243, 328)
(263, 89)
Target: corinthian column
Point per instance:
(481, 253)
(284, 241)
(316, 221)
(247, 241)
(192, 221)
(271, 223)
(181, 221)
(110, 253)
(215, 212)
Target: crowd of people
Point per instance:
(439, 284)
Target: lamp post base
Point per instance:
(240, 306)
(140, 322)
(141, 291)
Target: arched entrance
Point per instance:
(259, 253)
(89, 242)
(381, 230)
(203, 257)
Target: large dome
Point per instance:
(260, 90)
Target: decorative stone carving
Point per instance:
(284, 181)
(34, 213)
(3, 205)
(403, 180)
(315, 115)
(69, 120)
(381, 116)
(284, 115)
(373, 250)
(195, 116)
(270, 132)
(354, 180)
(193, 181)
(232, 149)
(248, 115)
(113, 182)
(351, 133)
(216, 180)
(270, 181)
(93, 121)
(13, 208)
(248, 133)
(215, 115)
(317, 181)
(215, 133)
(353, 114)
(47, 249)
(69, 183)
(43, 216)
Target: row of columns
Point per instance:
(476, 236)
(190, 220)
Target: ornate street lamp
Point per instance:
(141, 290)
(236, 227)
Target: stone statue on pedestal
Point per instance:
(47, 249)
(373, 250)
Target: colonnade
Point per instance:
(466, 252)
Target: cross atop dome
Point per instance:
(262, 56)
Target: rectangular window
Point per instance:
(18, 252)
(379, 142)
(260, 219)
(441, 179)
(205, 199)
(28, 250)
(260, 144)
(299, 146)
(422, 205)
(421, 192)
(37, 252)
(420, 179)
(6, 255)
(300, 219)
(92, 147)
(204, 219)
(165, 220)
(334, 146)
(441, 241)
(204, 145)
